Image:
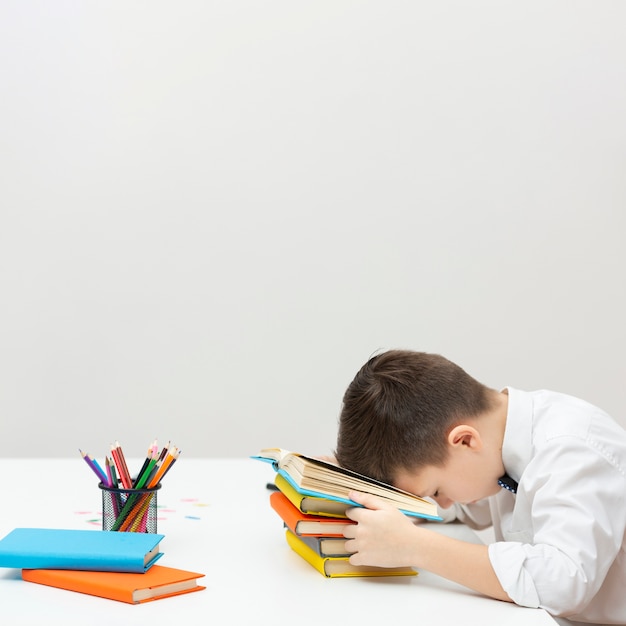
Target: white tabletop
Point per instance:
(216, 519)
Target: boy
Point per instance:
(547, 470)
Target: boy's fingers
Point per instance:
(367, 500)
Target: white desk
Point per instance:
(217, 520)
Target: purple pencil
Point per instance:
(97, 470)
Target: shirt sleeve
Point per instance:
(566, 528)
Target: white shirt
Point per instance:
(561, 541)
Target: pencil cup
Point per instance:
(129, 510)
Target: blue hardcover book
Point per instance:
(96, 550)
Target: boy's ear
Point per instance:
(465, 435)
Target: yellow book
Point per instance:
(340, 567)
(311, 505)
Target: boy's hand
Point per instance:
(386, 537)
(383, 536)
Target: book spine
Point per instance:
(305, 552)
(46, 562)
(325, 547)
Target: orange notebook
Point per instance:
(158, 582)
(306, 524)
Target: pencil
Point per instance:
(175, 455)
(132, 515)
(122, 468)
(101, 472)
(118, 465)
(138, 518)
(97, 470)
(114, 479)
(120, 453)
(141, 480)
(113, 495)
(169, 459)
(107, 467)
(149, 456)
(126, 516)
(164, 451)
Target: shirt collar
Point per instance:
(517, 443)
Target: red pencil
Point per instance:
(122, 468)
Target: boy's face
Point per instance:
(468, 475)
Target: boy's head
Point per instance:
(399, 409)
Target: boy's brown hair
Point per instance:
(399, 409)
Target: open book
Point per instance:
(314, 477)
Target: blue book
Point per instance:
(96, 550)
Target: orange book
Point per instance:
(306, 524)
(158, 582)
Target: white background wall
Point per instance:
(212, 213)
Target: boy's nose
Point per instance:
(444, 502)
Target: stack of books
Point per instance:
(115, 565)
(311, 499)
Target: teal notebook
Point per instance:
(98, 550)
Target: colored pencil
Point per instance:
(107, 467)
(120, 453)
(171, 456)
(97, 470)
(120, 463)
(176, 454)
(141, 481)
(130, 499)
(149, 456)
(114, 478)
(164, 451)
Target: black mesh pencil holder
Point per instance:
(129, 510)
